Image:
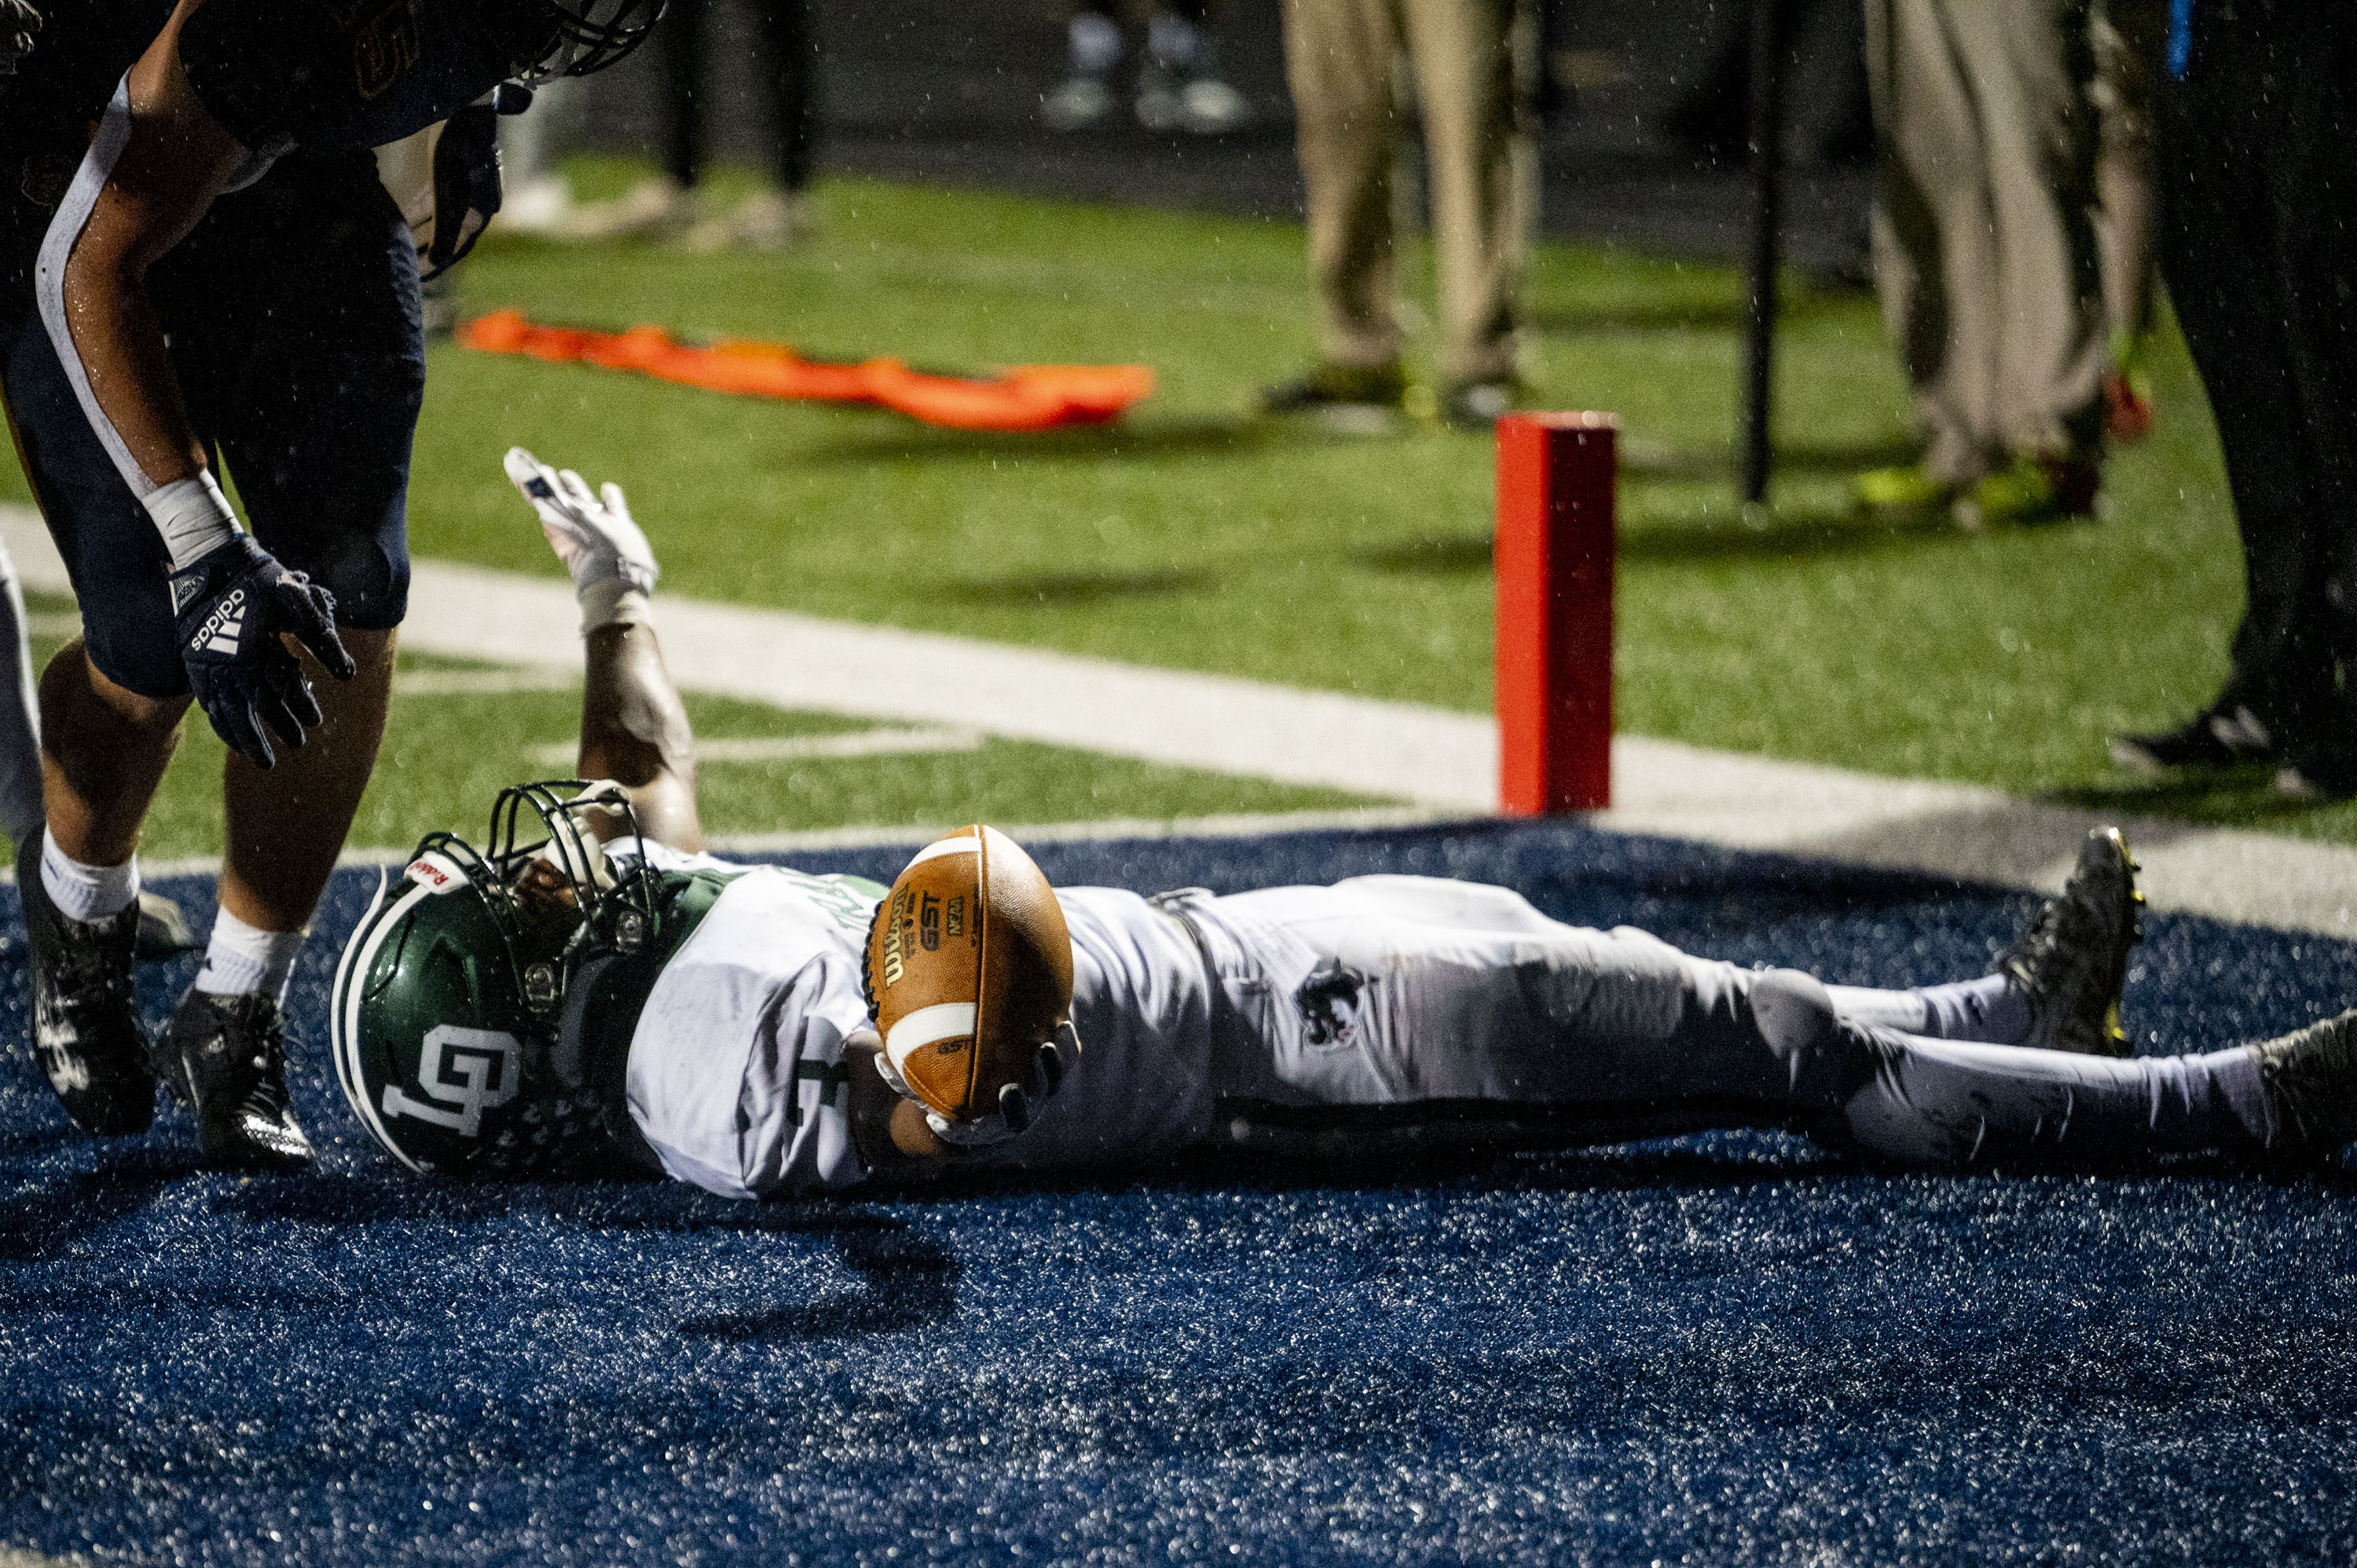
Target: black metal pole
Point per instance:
(1767, 199)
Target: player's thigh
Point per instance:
(110, 547)
(1353, 1003)
(308, 366)
(1445, 901)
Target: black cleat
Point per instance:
(2073, 959)
(86, 1030)
(225, 1058)
(2311, 1079)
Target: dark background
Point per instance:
(934, 90)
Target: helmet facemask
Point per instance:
(574, 37)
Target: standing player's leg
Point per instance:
(298, 339)
(163, 929)
(634, 729)
(111, 703)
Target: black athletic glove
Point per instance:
(18, 23)
(1019, 1105)
(231, 605)
(466, 176)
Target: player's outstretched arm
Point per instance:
(634, 729)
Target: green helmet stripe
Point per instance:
(339, 1038)
(345, 1019)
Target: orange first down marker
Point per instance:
(1553, 569)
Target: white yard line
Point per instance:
(1442, 763)
(898, 741)
(484, 682)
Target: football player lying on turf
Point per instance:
(568, 1004)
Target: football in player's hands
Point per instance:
(969, 973)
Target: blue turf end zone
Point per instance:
(1722, 1349)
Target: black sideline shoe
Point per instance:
(2311, 1079)
(2074, 957)
(86, 1031)
(1329, 389)
(2324, 769)
(225, 1058)
(2225, 735)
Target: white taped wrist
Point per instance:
(193, 516)
(612, 601)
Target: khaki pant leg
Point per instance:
(2129, 38)
(1465, 79)
(2029, 67)
(1337, 57)
(1935, 253)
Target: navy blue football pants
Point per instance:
(293, 315)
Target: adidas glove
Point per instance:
(18, 23)
(231, 604)
(1019, 1105)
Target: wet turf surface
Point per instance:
(1733, 1348)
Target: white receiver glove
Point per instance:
(612, 566)
(1019, 1105)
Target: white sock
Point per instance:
(86, 893)
(246, 961)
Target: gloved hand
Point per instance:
(1019, 1105)
(466, 186)
(18, 23)
(230, 604)
(595, 540)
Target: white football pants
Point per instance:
(1412, 1011)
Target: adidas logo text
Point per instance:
(218, 634)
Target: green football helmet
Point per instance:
(446, 999)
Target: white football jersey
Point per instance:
(736, 1077)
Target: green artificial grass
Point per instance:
(1192, 535)
(445, 756)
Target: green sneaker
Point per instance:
(1907, 489)
(2033, 489)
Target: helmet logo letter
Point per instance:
(466, 1070)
